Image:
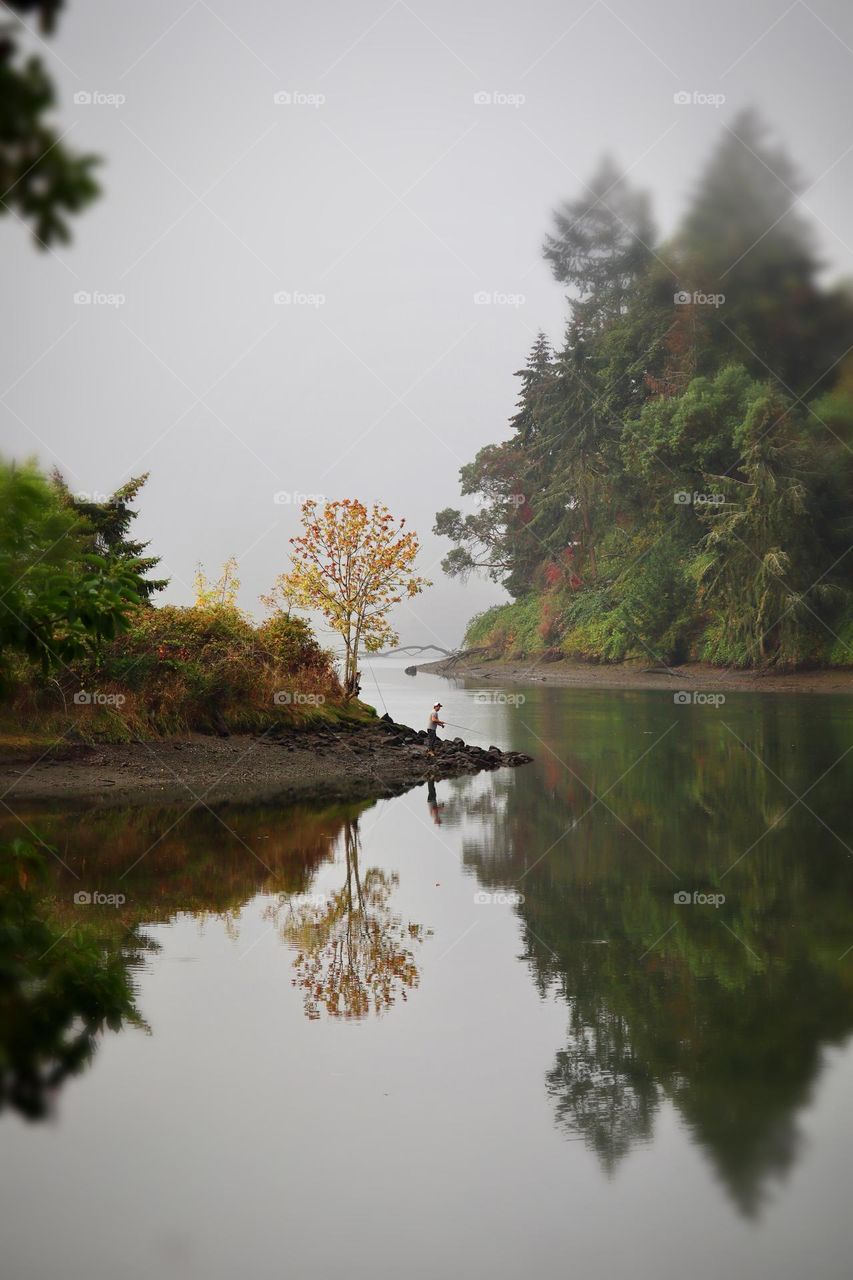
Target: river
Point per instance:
(590, 1017)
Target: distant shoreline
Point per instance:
(690, 676)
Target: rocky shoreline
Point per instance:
(342, 763)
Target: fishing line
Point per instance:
(376, 682)
(466, 727)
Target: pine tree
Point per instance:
(580, 433)
(682, 465)
(526, 421)
(509, 482)
(602, 244)
(528, 514)
(743, 239)
(110, 522)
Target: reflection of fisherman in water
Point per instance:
(434, 807)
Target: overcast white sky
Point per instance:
(385, 187)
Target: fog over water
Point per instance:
(411, 163)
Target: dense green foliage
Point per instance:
(59, 598)
(85, 656)
(678, 479)
(41, 179)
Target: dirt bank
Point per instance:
(382, 759)
(692, 675)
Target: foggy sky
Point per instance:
(397, 198)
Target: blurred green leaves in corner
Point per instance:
(42, 180)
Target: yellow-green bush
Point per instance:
(181, 669)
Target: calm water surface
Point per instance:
(471, 1032)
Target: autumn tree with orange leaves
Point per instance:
(352, 565)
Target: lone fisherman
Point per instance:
(433, 724)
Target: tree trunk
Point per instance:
(350, 661)
(589, 545)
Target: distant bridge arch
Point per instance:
(416, 648)
(452, 655)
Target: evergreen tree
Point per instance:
(508, 482)
(685, 462)
(110, 523)
(603, 242)
(525, 422)
(743, 238)
(582, 435)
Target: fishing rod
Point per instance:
(376, 682)
(466, 727)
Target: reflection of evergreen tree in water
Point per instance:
(59, 988)
(737, 1053)
(730, 1028)
(601, 1091)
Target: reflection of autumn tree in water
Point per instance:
(353, 952)
(66, 969)
(665, 1003)
(198, 863)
